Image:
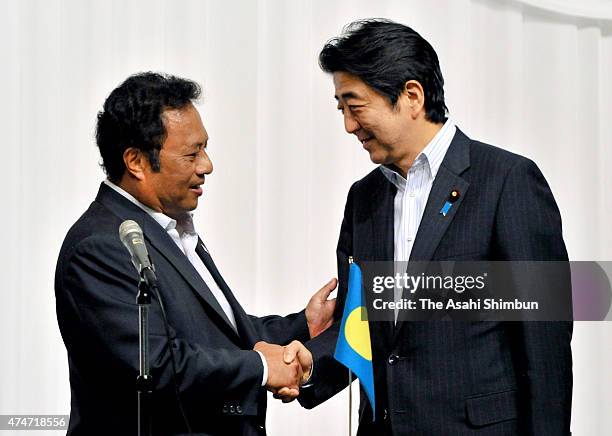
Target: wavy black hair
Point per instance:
(385, 55)
(131, 117)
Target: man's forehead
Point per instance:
(187, 124)
(177, 115)
(348, 86)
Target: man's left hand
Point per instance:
(320, 310)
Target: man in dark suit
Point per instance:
(153, 146)
(439, 378)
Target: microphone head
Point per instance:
(129, 229)
(132, 238)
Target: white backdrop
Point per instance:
(529, 79)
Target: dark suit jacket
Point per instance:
(218, 374)
(458, 378)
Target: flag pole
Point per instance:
(350, 385)
(350, 408)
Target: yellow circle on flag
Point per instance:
(357, 333)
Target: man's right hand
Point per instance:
(280, 374)
(295, 352)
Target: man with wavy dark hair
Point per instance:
(439, 378)
(210, 361)
(131, 118)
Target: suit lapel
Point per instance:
(380, 212)
(158, 239)
(162, 242)
(243, 324)
(433, 223)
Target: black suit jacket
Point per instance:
(218, 374)
(458, 378)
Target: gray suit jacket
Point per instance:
(458, 378)
(218, 375)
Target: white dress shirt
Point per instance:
(413, 192)
(185, 237)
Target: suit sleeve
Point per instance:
(98, 316)
(282, 329)
(528, 227)
(330, 376)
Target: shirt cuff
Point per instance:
(308, 382)
(264, 379)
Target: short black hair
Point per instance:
(131, 117)
(385, 55)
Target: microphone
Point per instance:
(131, 235)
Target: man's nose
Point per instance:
(350, 123)
(204, 165)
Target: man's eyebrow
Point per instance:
(197, 145)
(347, 95)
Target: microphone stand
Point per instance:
(144, 381)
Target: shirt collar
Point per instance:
(432, 155)
(163, 220)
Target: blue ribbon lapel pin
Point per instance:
(454, 196)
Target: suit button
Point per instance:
(232, 409)
(238, 409)
(392, 359)
(225, 409)
(385, 415)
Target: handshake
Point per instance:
(289, 368)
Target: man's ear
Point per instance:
(135, 163)
(414, 97)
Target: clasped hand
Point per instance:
(288, 368)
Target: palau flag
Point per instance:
(354, 349)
